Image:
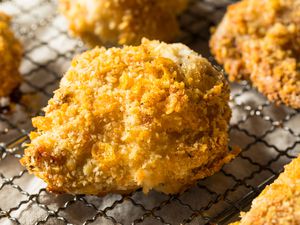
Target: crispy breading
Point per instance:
(279, 203)
(101, 22)
(259, 40)
(153, 116)
(10, 57)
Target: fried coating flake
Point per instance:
(100, 22)
(259, 40)
(10, 57)
(153, 116)
(279, 203)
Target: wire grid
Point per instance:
(267, 134)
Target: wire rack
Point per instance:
(268, 135)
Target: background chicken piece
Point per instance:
(10, 57)
(279, 203)
(154, 116)
(259, 40)
(122, 22)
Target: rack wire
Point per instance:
(268, 135)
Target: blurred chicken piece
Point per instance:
(279, 203)
(10, 57)
(259, 40)
(153, 116)
(100, 22)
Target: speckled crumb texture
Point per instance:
(279, 203)
(122, 21)
(10, 57)
(153, 116)
(259, 40)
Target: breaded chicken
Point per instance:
(153, 116)
(10, 57)
(122, 21)
(279, 203)
(259, 40)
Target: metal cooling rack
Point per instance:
(268, 135)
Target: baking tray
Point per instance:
(268, 135)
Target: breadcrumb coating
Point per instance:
(100, 22)
(10, 57)
(259, 40)
(153, 116)
(279, 203)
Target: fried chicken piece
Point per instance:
(153, 116)
(10, 57)
(100, 22)
(259, 40)
(279, 203)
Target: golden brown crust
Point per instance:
(122, 22)
(279, 203)
(259, 40)
(10, 57)
(208, 171)
(153, 116)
